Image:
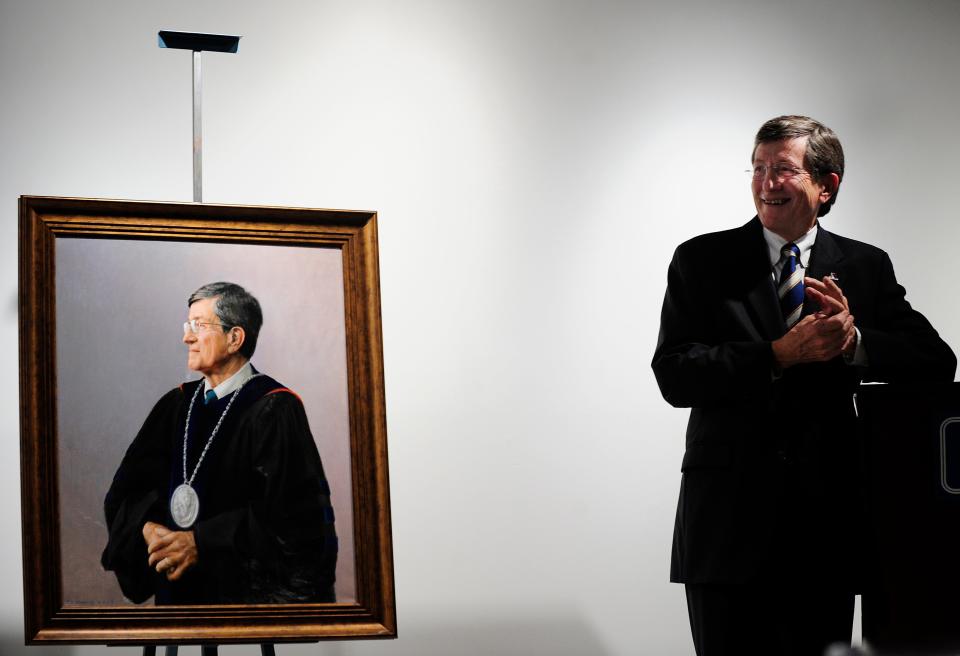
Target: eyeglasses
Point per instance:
(194, 325)
(779, 172)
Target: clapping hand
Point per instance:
(820, 336)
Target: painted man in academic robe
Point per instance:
(222, 498)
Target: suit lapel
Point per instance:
(825, 259)
(761, 294)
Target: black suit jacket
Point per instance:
(771, 487)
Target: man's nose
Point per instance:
(189, 337)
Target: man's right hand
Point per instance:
(813, 339)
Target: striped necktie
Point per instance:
(791, 284)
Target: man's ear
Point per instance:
(830, 183)
(235, 338)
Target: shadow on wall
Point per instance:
(11, 644)
(553, 635)
(558, 635)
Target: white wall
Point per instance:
(534, 164)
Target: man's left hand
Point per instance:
(832, 301)
(172, 552)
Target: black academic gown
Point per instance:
(265, 530)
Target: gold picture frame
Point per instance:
(45, 222)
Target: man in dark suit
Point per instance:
(765, 333)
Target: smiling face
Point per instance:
(211, 351)
(787, 204)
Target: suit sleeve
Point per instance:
(138, 495)
(693, 368)
(900, 343)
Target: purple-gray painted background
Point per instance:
(120, 307)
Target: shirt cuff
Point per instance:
(859, 357)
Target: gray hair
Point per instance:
(824, 153)
(235, 306)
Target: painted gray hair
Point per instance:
(235, 306)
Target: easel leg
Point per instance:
(151, 650)
(266, 649)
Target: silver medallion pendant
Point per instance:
(184, 506)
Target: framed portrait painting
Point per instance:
(171, 495)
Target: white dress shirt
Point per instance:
(231, 384)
